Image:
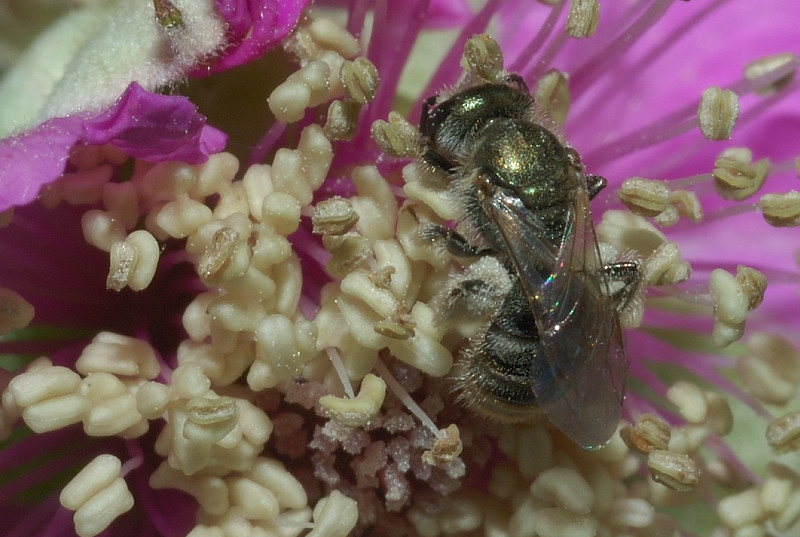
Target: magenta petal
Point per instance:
(144, 125)
(254, 26)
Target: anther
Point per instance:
(209, 419)
(359, 410)
(342, 120)
(15, 311)
(446, 448)
(583, 18)
(730, 307)
(482, 56)
(133, 262)
(98, 495)
(781, 210)
(674, 470)
(754, 284)
(770, 369)
(552, 95)
(225, 250)
(334, 516)
(360, 80)
(717, 113)
(397, 137)
(783, 434)
(329, 35)
(101, 229)
(648, 433)
(736, 176)
(334, 216)
(766, 65)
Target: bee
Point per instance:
(552, 342)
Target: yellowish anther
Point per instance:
(686, 204)
(211, 492)
(334, 516)
(118, 355)
(483, 56)
(113, 407)
(271, 474)
(583, 18)
(101, 229)
(305, 88)
(754, 284)
(781, 210)
(334, 216)
(665, 266)
(93, 478)
(446, 448)
(15, 311)
(783, 434)
(397, 137)
(209, 420)
(730, 307)
(690, 400)
(342, 120)
(648, 433)
(770, 369)
(674, 470)
(717, 113)
(565, 488)
(776, 493)
(349, 251)
(741, 510)
(360, 80)
(398, 326)
(552, 95)
(288, 175)
(206, 411)
(720, 417)
(316, 155)
(768, 64)
(152, 399)
(133, 262)
(225, 256)
(103, 508)
(56, 412)
(330, 35)
(282, 212)
(358, 411)
(645, 197)
(735, 174)
(255, 501)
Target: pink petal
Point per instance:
(254, 26)
(144, 125)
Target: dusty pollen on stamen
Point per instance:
(717, 113)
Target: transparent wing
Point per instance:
(580, 381)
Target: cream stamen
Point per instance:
(15, 312)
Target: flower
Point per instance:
(213, 385)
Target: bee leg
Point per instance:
(427, 105)
(513, 79)
(595, 184)
(456, 244)
(624, 279)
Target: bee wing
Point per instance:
(580, 382)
